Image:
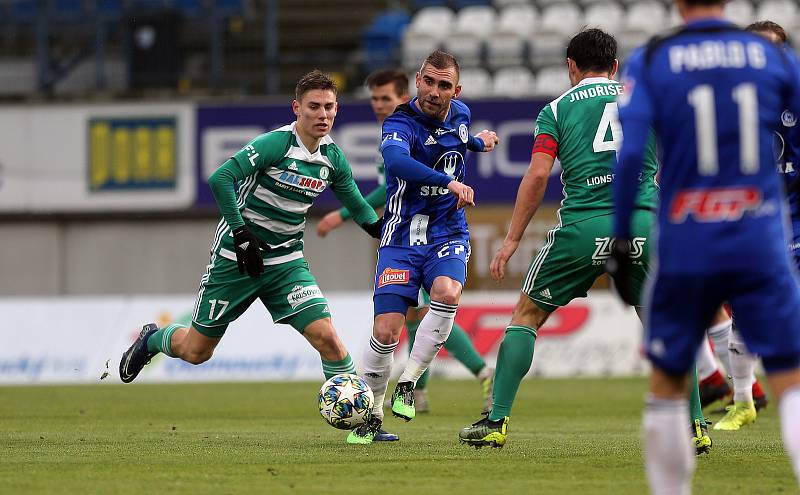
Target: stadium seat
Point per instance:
(110, 9)
(740, 12)
(509, 44)
(473, 25)
(548, 49)
(475, 83)
(382, 38)
(604, 15)
(499, 4)
(784, 12)
(66, 10)
(22, 11)
(552, 81)
(417, 46)
(647, 16)
(513, 82)
(431, 21)
(422, 4)
(190, 8)
(560, 18)
(460, 4)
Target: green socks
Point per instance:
(161, 341)
(695, 408)
(458, 345)
(513, 362)
(331, 368)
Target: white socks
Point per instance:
(706, 364)
(432, 333)
(669, 453)
(377, 361)
(720, 334)
(742, 367)
(789, 410)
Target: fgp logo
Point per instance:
(602, 250)
(302, 181)
(393, 276)
(714, 205)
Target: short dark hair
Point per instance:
(593, 50)
(440, 59)
(316, 79)
(389, 76)
(768, 27)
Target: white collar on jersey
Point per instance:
(300, 152)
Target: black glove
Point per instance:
(618, 266)
(248, 251)
(374, 228)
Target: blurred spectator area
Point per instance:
(507, 48)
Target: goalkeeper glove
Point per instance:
(248, 251)
(618, 266)
(374, 228)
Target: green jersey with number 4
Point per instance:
(583, 121)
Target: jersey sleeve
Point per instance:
(346, 191)
(397, 131)
(793, 65)
(257, 155)
(546, 124)
(635, 115)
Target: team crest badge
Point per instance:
(463, 133)
(788, 119)
(323, 173)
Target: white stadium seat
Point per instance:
(552, 81)
(473, 25)
(548, 49)
(740, 12)
(417, 46)
(605, 15)
(518, 19)
(506, 47)
(513, 82)
(784, 12)
(499, 4)
(648, 16)
(475, 83)
(560, 18)
(431, 21)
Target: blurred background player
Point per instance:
(257, 252)
(714, 112)
(389, 88)
(581, 129)
(425, 239)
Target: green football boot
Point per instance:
(403, 401)
(485, 433)
(365, 433)
(738, 415)
(702, 442)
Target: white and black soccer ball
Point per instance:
(345, 401)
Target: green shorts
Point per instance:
(575, 255)
(289, 292)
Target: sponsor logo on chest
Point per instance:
(300, 181)
(300, 295)
(393, 276)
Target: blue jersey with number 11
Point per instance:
(422, 214)
(714, 95)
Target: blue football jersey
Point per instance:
(714, 95)
(787, 152)
(421, 214)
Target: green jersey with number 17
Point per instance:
(583, 121)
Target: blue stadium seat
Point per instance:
(66, 10)
(229, 7)
(109, 8)
(190, 8)
(22, 10)
(382, 38)
(460, 4)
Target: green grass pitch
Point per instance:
(566, 436)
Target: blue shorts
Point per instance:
(402, 270)
(766, 306)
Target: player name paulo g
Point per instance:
(716, 54)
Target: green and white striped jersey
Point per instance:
(279, 179)
(584, 123)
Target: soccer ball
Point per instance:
(345, 401)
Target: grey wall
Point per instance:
(151, 257)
